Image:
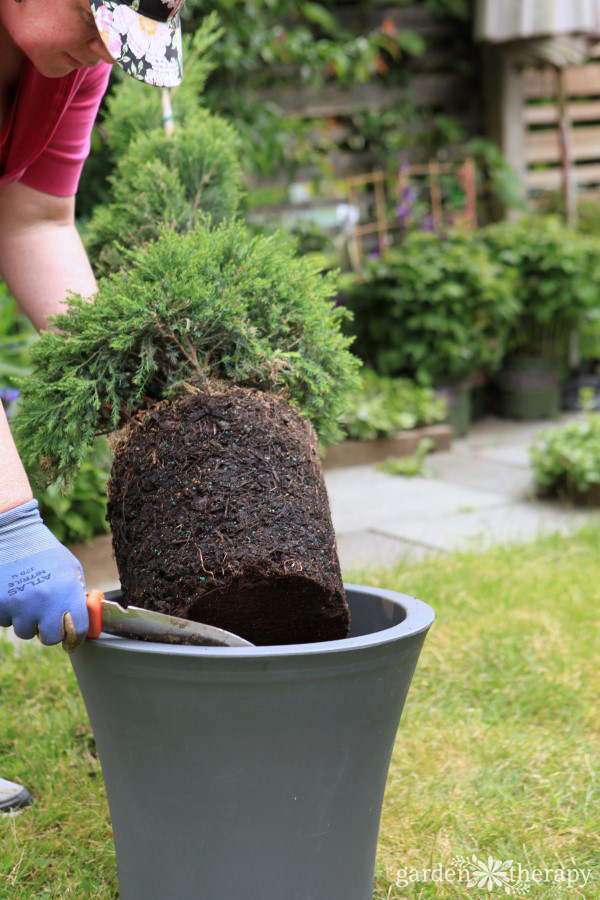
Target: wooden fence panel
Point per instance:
(434, 86)
(439, 90)
(541, 142)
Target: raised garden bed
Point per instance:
(363, 453)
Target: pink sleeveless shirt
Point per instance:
(45, 140)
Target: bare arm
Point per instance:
(14, 486)
(41, 260)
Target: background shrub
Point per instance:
(556, 280)
(383, 406)
(433, 308)
(566, 460)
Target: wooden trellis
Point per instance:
(377, 187)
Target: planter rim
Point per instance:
(418, 618)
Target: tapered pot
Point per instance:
(459, 400)
(530, 388)
(254, 773)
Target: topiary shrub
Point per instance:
(132, 108)
(166, 180)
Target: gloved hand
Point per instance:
(42, 590)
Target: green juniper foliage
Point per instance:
(175, 180)
(211, 304)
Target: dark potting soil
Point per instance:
(219, 514)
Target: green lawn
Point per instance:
(495, 756)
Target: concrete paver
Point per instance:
(481, 494)
(481, 473)
(361, 497)
(505, 441)
(359, 549)
(478, 529)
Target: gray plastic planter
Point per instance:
(252, 773)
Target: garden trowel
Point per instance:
(131, 621)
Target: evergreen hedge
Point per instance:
(175, 180)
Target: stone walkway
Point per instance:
(481, 493)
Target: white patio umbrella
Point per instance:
(500, 21)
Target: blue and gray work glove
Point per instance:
(42, 591)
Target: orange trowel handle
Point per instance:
(94, 606)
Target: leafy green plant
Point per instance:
(557, 282)
(436, 309)
(566, 460)
(268, 45)
(383, 406)
(311, 40)
(79, 515)
(409, 466)
(458, 9)
(499, 187)
(17, 335)
(209, 304)
(551, 203)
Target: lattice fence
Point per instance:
(431, 197)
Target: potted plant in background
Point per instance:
(389, 417)
(435, 309)
(566, 460)
(556, 284)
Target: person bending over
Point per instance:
(55, 61)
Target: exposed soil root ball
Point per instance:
(219, 513)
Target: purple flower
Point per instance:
(8, 397)
(428, 224)
(407, 200)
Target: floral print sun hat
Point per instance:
(143, 37)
